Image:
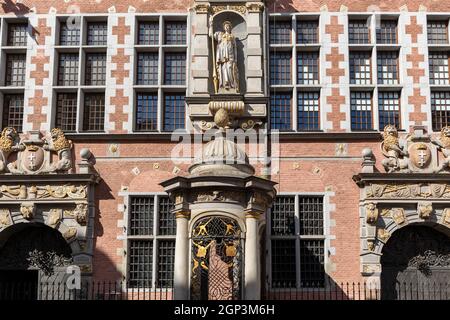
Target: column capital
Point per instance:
(182, 214)
(252, 214)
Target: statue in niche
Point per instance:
(225, 71)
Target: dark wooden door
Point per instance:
(416, 265)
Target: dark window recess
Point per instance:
(97, 34)
(311, 216)
(387, 32)
(307, 32)
(283, 216)
(167, 224)
(358, 31)
(15, 70)
(66, 112)
(360, 67)
(13, 111)
(94, 112)
(140, 263)
(440, 109)
(147, 112)
(283, 254)
(175, 32)
(148, 33)
(95, 74)
(308, 116)
(17, 34)
(175, 68)
(437, 32)
(68, 69)
(280, 68)
(280, 111)
(147, 68)
(280, 32)
(389, 109)
(312, 271)
(69, 33)
(361, 110)
(174, 112)
(308, 67)
(166, 259)
(387, 67)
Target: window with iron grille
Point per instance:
(97, 33)
(151, 241)
(438, 62)
(307, 32)
(387, 67)
(148, 33)
(69, 34)
(175, 68)
(280, 68)
(95, 74)
(174, 111)
(307, 67)
(147, 68)
(13, 111)
(146, 111)
(358, 31)
(15, 70)
(437, 32)
(308, 117)
(440, 109)
(94, 112)
(297, 242)
(387, 32)
(66, 112)
(175, 32)
(360, 67)
(280, 110)
(68, 69)
(280, 32)
(389, 109)
(17, 34)
(361, 110)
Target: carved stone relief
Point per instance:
(54, 217)
(5, 218)
(371, 213)
(79, 213)
(27, 210)
(19, 192)
(424, 209)
(398, 215)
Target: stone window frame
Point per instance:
(326, 238)
(10, 49)
(294, 48)
(127, 238)
(161, 89)
(81, 88)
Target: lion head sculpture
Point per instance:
(390, 137)
(445, 137)
(8, 137)
(59, 140)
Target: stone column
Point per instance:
(181, 272)
(252, 288)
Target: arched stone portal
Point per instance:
(415, 263)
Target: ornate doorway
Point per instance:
(416, 265)
(216, 259)
(30, 256)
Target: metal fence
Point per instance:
(103, 290)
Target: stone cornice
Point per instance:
(47, 178)
(362, 178)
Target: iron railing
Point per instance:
(110, 290)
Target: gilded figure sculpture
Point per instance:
(394, 153)
(443, 145)
(9, 143)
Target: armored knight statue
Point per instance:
(391, 149)
(443, 145)
(225, 59)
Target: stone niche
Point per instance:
(247, 19)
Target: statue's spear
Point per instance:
(215, 78)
